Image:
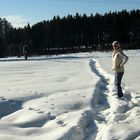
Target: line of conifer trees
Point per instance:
(72, 34)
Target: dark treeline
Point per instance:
(72, 34)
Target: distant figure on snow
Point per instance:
(25, 51)
(119, 59)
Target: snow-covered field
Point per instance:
(68, 97)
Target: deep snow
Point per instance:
(68, 97)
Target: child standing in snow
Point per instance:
(119, 59)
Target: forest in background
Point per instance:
(73, 33)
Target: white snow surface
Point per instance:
(68, 97)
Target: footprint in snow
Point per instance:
(31, 108)
(37, 110)
(50, 116)
(2, 98)
(40, 112)
(52, 108)
(60, 122)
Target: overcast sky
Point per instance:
(20, 12)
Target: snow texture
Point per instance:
(68, 97)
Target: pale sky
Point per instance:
(20, 12)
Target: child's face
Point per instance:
(116, 46)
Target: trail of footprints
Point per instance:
(49, 101)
